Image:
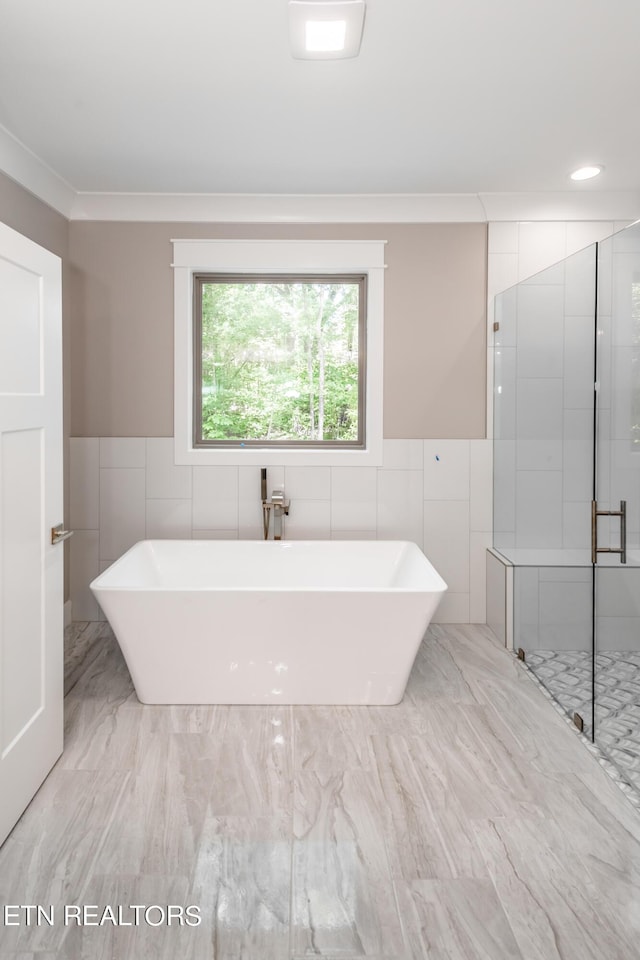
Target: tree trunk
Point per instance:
(312, 406)
(321, 369)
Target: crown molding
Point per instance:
(580, 203)
(22, 165)
(280, 208)
(357, 208)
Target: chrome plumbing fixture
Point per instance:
(278, 503)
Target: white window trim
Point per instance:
(276, 256)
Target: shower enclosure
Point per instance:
(567, 485)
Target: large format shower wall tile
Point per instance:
(400, 505)
(446, 469)
(122, 511)
(539, 509)
(578, 362)
(446, 541)
(343, 902)
(453, 608)
(215, 498)
(166, 480)
(539, 432)
(540, 329)
(168, 520)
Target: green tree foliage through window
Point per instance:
(280, 359)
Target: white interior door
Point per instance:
(31, 503)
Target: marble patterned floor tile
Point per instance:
(459, 918)
(482, 772)
(135, 934)
(106, 677)
(332, 739)
(608, 845)
(82, 643)
(40, 955)
(101, 734)
(343, 902)
(435, 674)
(568, 675)
(429, 836)
(198, 718)
(385, 833)
(553, 905)
(254, 775)
(242, 883)
(49, 857)
(163, 807)
(505, 690)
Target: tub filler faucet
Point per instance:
(278, 504)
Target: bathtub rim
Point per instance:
(436, 585)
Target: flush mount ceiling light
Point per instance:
(586, 173)
(325, 29)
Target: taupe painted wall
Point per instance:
(122, 323)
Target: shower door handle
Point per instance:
(622, 513)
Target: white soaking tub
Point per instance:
(242, 621)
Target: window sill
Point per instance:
(276, 457)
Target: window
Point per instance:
(278, 352)
(279, 360)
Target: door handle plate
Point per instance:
(59, 534)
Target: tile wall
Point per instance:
(517, 251)
(437, 493)
(434, 492)
(552, 609)
(544, 408)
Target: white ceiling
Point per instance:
(203, 96)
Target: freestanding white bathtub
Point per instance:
(324, 622)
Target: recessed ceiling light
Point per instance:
(586, 173)
(325, 36)
(325, 29)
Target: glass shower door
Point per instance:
(616, 520)
(544, 364)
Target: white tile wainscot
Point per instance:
(434, 492)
